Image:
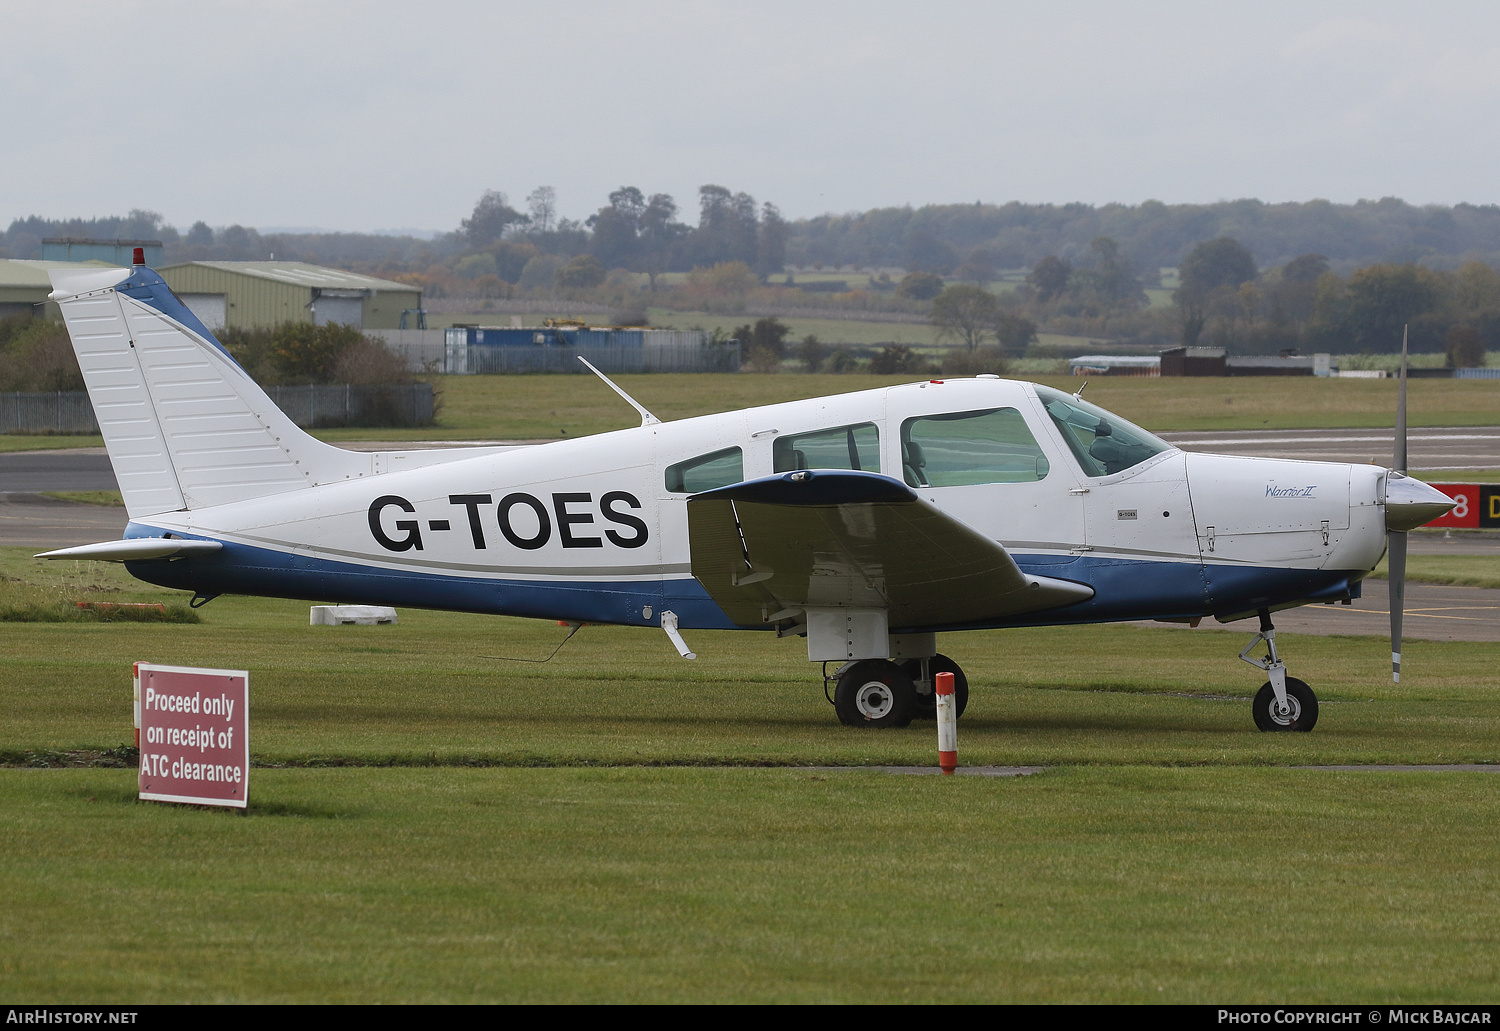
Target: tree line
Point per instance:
(1223, 299)
(637, 228)
(1365, 269)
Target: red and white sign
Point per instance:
(1478, 505)
(194, 734)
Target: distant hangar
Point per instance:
(262, 294)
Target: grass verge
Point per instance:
(1124, 885)
(37, 442)
(1458, 570)
(431, 689)
(107, 498)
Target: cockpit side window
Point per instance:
(958, 449)
(718, 469)
(1103, 443)
(843, 447)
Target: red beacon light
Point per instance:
(139, 257)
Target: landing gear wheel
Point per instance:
(874, 693)
(926, 704)
(1302, 707)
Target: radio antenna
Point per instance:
(647, 419)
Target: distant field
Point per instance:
(835, 332)
(830, 331)
(547, 407)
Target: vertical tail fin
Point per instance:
(184, 425)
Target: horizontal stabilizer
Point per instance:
(135, 549)
(844, 539)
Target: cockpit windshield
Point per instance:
(1103, 443)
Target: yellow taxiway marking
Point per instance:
(1428, 612)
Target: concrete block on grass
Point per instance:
(346, 615)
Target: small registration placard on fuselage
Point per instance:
(195, 735)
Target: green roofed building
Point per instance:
(111, 252)
(262, 294)
(24, 286)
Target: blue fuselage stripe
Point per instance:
(1124, 588)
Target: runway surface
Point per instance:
(1473, 447)
(1434, 612)
(31, 472)
(33, 521)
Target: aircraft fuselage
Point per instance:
(596, 530)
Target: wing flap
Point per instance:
(833, 538)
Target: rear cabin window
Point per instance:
(961, 449)
(844, 447)
(719, 469)
(1102, 442)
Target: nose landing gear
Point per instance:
(1283, 702)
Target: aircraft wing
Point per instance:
(833, 538)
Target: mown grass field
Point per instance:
(430, 823)
(439, 688)
(547, 407)
(680, 885)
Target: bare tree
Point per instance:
(542, 203)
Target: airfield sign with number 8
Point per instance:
(1478, 506)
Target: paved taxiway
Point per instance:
(1470, 447)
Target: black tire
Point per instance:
(1304, 706)
(875, 693)
(925, 705)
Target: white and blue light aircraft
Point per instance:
(867, 522)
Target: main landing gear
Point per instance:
(879, 693)
(1283, 702)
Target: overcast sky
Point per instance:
(375, 115)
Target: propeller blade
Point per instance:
(1396, 558)
(1400, 463)
(1396, 539)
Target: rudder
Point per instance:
(185, 426)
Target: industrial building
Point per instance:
(555, 347)
(111, 252)
(263, 294)
(1194, 361)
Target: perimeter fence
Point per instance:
(311, 407)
